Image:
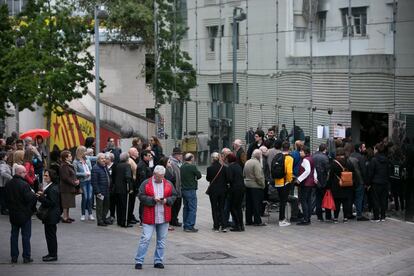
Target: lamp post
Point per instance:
(98, 14)
(20, 42)
(238, 16)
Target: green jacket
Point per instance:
(189, 176)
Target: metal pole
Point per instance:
(349, 52)
(97, 85)
(311, 72)
(235, 34)
(155, 67)
(17, 115)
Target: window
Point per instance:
(321, 21)
(221, 100)
(356, 24)
(212, 34)
(237, 33)
(300, 33)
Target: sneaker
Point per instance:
(83, 218)
(27, 260)
(91, 217)
(375, 220)
(224, 230)
(284, 223)
(216, 230)
(345, 220)
(382, 219)
(335, 220)
(138, 266)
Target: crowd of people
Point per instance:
(244, 186)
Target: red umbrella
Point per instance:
(35, 132)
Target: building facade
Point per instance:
(307, 63)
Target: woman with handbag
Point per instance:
(49, 212)
(69, 185)
(342, 190)
(83, 170)
(217, 176)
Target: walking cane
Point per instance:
(127, 204)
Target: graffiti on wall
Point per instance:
(70, 130)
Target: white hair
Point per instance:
(89, 151)
(159, 170)
(257, 154)
(238, 142)
(110, 156)
(188, 157)
(100, 155)
(123, 156)
(215, 156)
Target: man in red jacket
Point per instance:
(157, 195)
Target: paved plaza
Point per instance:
(355, 248)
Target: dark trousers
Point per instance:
(112, 205)
(3, 206)
(346, 206)
(217, 209)
(102, 207)
(131, 207)
(236, 200)
(121, 208)
(227, 209)
(379, 200)
(175, 210)
(397, 190)
(26, 229)
(319, 193)
(51, 239)
(283, 192)
(254, 198)
(306, 202)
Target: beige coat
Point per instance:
(253, 174)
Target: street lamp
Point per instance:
(99, 13)
(20, 42)
(238, 16)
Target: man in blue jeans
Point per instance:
(21, 200)
(189, 176)
(157, 196)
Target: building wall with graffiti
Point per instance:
(70, 130)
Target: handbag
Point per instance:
(209, 185)
(346, 177)
(328, 201)
(42, 213)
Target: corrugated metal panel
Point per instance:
(404, 89)
(330, 90)
(294, 89)
(372, 92)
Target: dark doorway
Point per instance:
(373, 127)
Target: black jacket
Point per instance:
(251, 148)
(333, 182)
(143, 172)
(122, 178)
(322, 166)
(378, 173)
(51, 200)
(235, 177)
(21, 200)
(219, 185)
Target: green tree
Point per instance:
(53, 67)
(6, 45)
(172, 75)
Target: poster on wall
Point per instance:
(339, 131)
(322, 132)
(398, 131)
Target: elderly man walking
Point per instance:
(21, 200)
(157, 195)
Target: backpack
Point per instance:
(346, 177)
(278, 166)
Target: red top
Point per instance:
(30, 174)
(149, 211)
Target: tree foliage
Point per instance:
(53, 66)
(130, 20)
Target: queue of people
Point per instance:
(242, 183)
